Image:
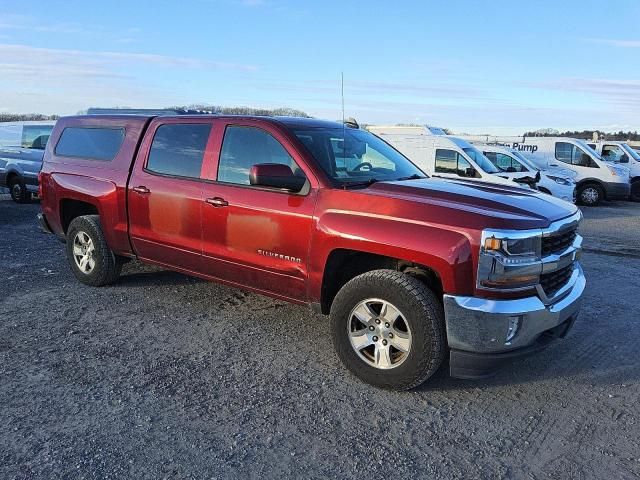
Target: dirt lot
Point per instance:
(162, 375)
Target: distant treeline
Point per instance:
(25, 117)
(586, 134)
(263, 112)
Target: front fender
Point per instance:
(447, 252)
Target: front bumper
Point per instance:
(617, 190)
(478, 329)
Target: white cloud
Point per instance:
(70, 80)
(30, 55)
(615, 42)
(624, 94)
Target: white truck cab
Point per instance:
(621, 153)
(553, 181)
(442, 155)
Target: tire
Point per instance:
(590, 194)
(420, 319)
(101, 266)
(635, 191)
(18, 190)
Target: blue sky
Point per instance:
(476, 67)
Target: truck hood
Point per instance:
(491, 205)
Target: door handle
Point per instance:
(142, 190)
(217, 202)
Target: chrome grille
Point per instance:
(553, 281)
(558, 242)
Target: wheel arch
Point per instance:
(71, 208)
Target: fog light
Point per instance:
(512, 329)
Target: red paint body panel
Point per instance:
(275, 242)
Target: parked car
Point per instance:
(443, 155)
(553, 181)
(410, 269)
(22, 146)
(621, 153)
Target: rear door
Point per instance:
(254, 236)
(165, 193)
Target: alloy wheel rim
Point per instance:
(379, 333)
(589, 195)
(83, 250)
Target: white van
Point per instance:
(596, 179)
(554, 181)
(622, 153)
(442, 155)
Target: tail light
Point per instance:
(40, 185)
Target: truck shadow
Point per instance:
(578, 363)
(132, 277)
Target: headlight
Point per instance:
(509, 260)
(559, 180)
(613, 170)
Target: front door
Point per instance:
(254, 236)
(165, 195)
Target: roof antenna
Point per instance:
(342, 91)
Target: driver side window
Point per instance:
(569, 153)
(244, 147)
(450, 161)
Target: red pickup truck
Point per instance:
(411, 269)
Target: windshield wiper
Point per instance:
(415, 176)
(364, 183)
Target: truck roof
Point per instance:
(296, 122)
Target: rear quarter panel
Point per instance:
(99, 183)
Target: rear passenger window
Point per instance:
(178, 149)
(90, 143)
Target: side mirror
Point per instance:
(624, 158)
(511, 170)
(275, 175)
(469, 172)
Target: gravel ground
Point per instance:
(166, 376)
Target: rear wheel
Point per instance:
(18, 189)
(635, 191)
(590, 194)
(90, 258)
(388, 329)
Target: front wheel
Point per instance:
(19, 192)
(635, 191)
(90, 258)
(388, 329)
(590, 194)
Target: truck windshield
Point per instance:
(483, 162)
(630, 151)
(356, 156)
(521, 158)
(589, 151)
